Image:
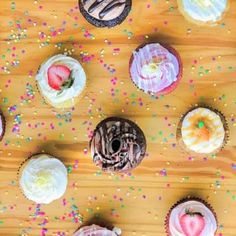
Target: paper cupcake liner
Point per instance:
(223, 119)
(201, 23)
(3, 125)
(174, 85)
(190, 198)
(63, 104)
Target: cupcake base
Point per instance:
(174, 85)
(179, 135)
(183, 201)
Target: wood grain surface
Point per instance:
(30, 32)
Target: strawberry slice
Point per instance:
(192, 223)
(58, 75)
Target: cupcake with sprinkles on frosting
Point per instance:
(191, 217)
(95, 230)
(155, 69)
(203, 12)
(43, 179)
(61, 81)
(202, 130)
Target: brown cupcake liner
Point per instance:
(174, 85)
(223, 119)
(3, 125)
(186, 199)
(200, 23)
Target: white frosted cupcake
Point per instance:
(191, 217)
(95, 230)
(61, 81)
(43, 179)
(204, 12)
(203, 130)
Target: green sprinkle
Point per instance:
(201, 124)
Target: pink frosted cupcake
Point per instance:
(191, 217)
(95, 230)
(156, 69)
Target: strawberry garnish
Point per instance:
(59, 77)
(192, 223)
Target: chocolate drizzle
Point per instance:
(108, 8)
(118, 145)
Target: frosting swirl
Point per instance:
(178, 211)
(118, 145)
(43, 179)
(96, 230)
(77, 72)
(205, 10)
(154, 68)
(205, 139)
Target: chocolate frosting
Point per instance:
(104, 9)
(117, 145)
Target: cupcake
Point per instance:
(95, 230)
(155, 69)
(43, 179)
(2, 125)
(117, 145)
(202, 130)
(105, 13)
(203, 12)
(191, 217)
(61, 81)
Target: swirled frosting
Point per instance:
(43, 179)
(118, 145)
(77, 72)
(205, 10)
(206, 139)
(195, 206)
(154, 68)
(95, 230)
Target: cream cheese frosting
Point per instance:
(95, 230)
(77, 72)
(174, 219)
(43, 179)
(154, 68)
(214, 125)
(205, 10)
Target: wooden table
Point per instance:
(31, 31)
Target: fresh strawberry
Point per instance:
(59, 77)
(192, 223)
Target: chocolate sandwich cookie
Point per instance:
(2, 125)
(105, 13)
(117, 145)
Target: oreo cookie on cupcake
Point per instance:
(191, 217)
(117, 145)
(97, 231)
(2, 125)
(155, 69)
(105, 13)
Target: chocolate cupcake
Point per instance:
(2, 125)
(191, 216)
(97, 230)
(117, 145)
(105, 13)
(155, 69)
(202, 130)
